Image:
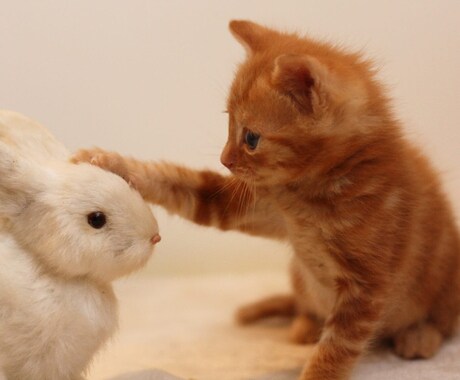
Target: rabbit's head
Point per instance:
(77, 220)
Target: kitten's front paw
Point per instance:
(420, 341)
(89, 156)
(109, 161)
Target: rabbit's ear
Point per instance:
(20, 180)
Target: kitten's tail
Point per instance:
(274, 306)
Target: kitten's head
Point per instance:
(295, 105)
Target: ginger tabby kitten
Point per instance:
(317, 158)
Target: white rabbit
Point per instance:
(66, 232)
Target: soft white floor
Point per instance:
(184, 326)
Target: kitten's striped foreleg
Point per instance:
(347, 333)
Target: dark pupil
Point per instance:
(252, 139)
(97, 219)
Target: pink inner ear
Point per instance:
(292, 77)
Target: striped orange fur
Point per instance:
(318, 159)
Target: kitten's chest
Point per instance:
(316, 266)
(312, 251)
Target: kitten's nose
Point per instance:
(227, 158)
(155, 239)
(227, 162)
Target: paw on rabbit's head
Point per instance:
(77, 220)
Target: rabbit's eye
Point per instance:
(97, 219)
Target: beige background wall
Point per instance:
(149, 78)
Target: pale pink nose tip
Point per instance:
(155, 239)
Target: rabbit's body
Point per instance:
(49, 327)
(58, 255)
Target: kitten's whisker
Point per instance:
(239, 210)
(254, 199)
(225, 187)
(234, 192)
(242, 207)
(248, 201)
(243, 203)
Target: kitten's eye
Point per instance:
(97, 219)
(251, 139)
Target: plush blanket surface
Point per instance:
(174, 328)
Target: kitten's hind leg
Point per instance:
(305, 330)
(282, 305)
(420, 341)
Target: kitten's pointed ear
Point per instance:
(251, 35)
(302, 78)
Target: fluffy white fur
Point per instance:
(57, 307)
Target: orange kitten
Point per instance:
(318, 159)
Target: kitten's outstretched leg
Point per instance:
(420, 341)
(202, 196)
(283, 305)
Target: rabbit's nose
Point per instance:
(155, 239)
